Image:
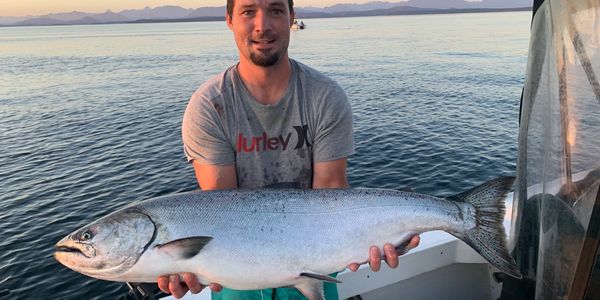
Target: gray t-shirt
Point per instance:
(269, 144)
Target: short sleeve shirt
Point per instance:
(269, 144)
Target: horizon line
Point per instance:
(193, 8)
(218, 18)
(169, 5)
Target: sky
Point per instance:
(42, 7)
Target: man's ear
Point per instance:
(228, 20)
(292, 17)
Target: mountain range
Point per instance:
(171, 13)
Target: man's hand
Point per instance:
(391, 255)
(172, 285)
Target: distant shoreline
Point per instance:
(315, 15)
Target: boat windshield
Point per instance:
(556, 215)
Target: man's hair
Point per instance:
(230, 7)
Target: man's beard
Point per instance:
(265, 60)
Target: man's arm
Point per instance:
(215, 177)
(330, 174)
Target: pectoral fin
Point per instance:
(185, 248)
(320, 277)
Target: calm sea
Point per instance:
(90, 117)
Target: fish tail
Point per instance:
(488, 237)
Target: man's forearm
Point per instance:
(330, 174)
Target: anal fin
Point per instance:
(402, 248)
(320, 277)
(311, 289)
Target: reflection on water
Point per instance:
(90, 117)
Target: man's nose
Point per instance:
(262, 22)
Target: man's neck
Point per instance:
(266, 84)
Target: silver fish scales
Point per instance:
(255, 239)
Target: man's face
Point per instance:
(261, 29)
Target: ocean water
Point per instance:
(90, 117)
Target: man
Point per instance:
(267, 121)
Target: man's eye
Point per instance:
(278, 12)
(247, 13)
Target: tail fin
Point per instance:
(488, 237)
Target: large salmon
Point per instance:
(255, 239)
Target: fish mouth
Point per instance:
(67, 249)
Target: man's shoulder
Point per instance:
(214, 88)
(318, 86)
(312, 75)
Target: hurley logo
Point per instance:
(265, 143)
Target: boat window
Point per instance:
(559, 151)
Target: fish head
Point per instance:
(108, 247)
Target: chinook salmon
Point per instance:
(267, 238)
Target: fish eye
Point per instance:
(85, 236)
